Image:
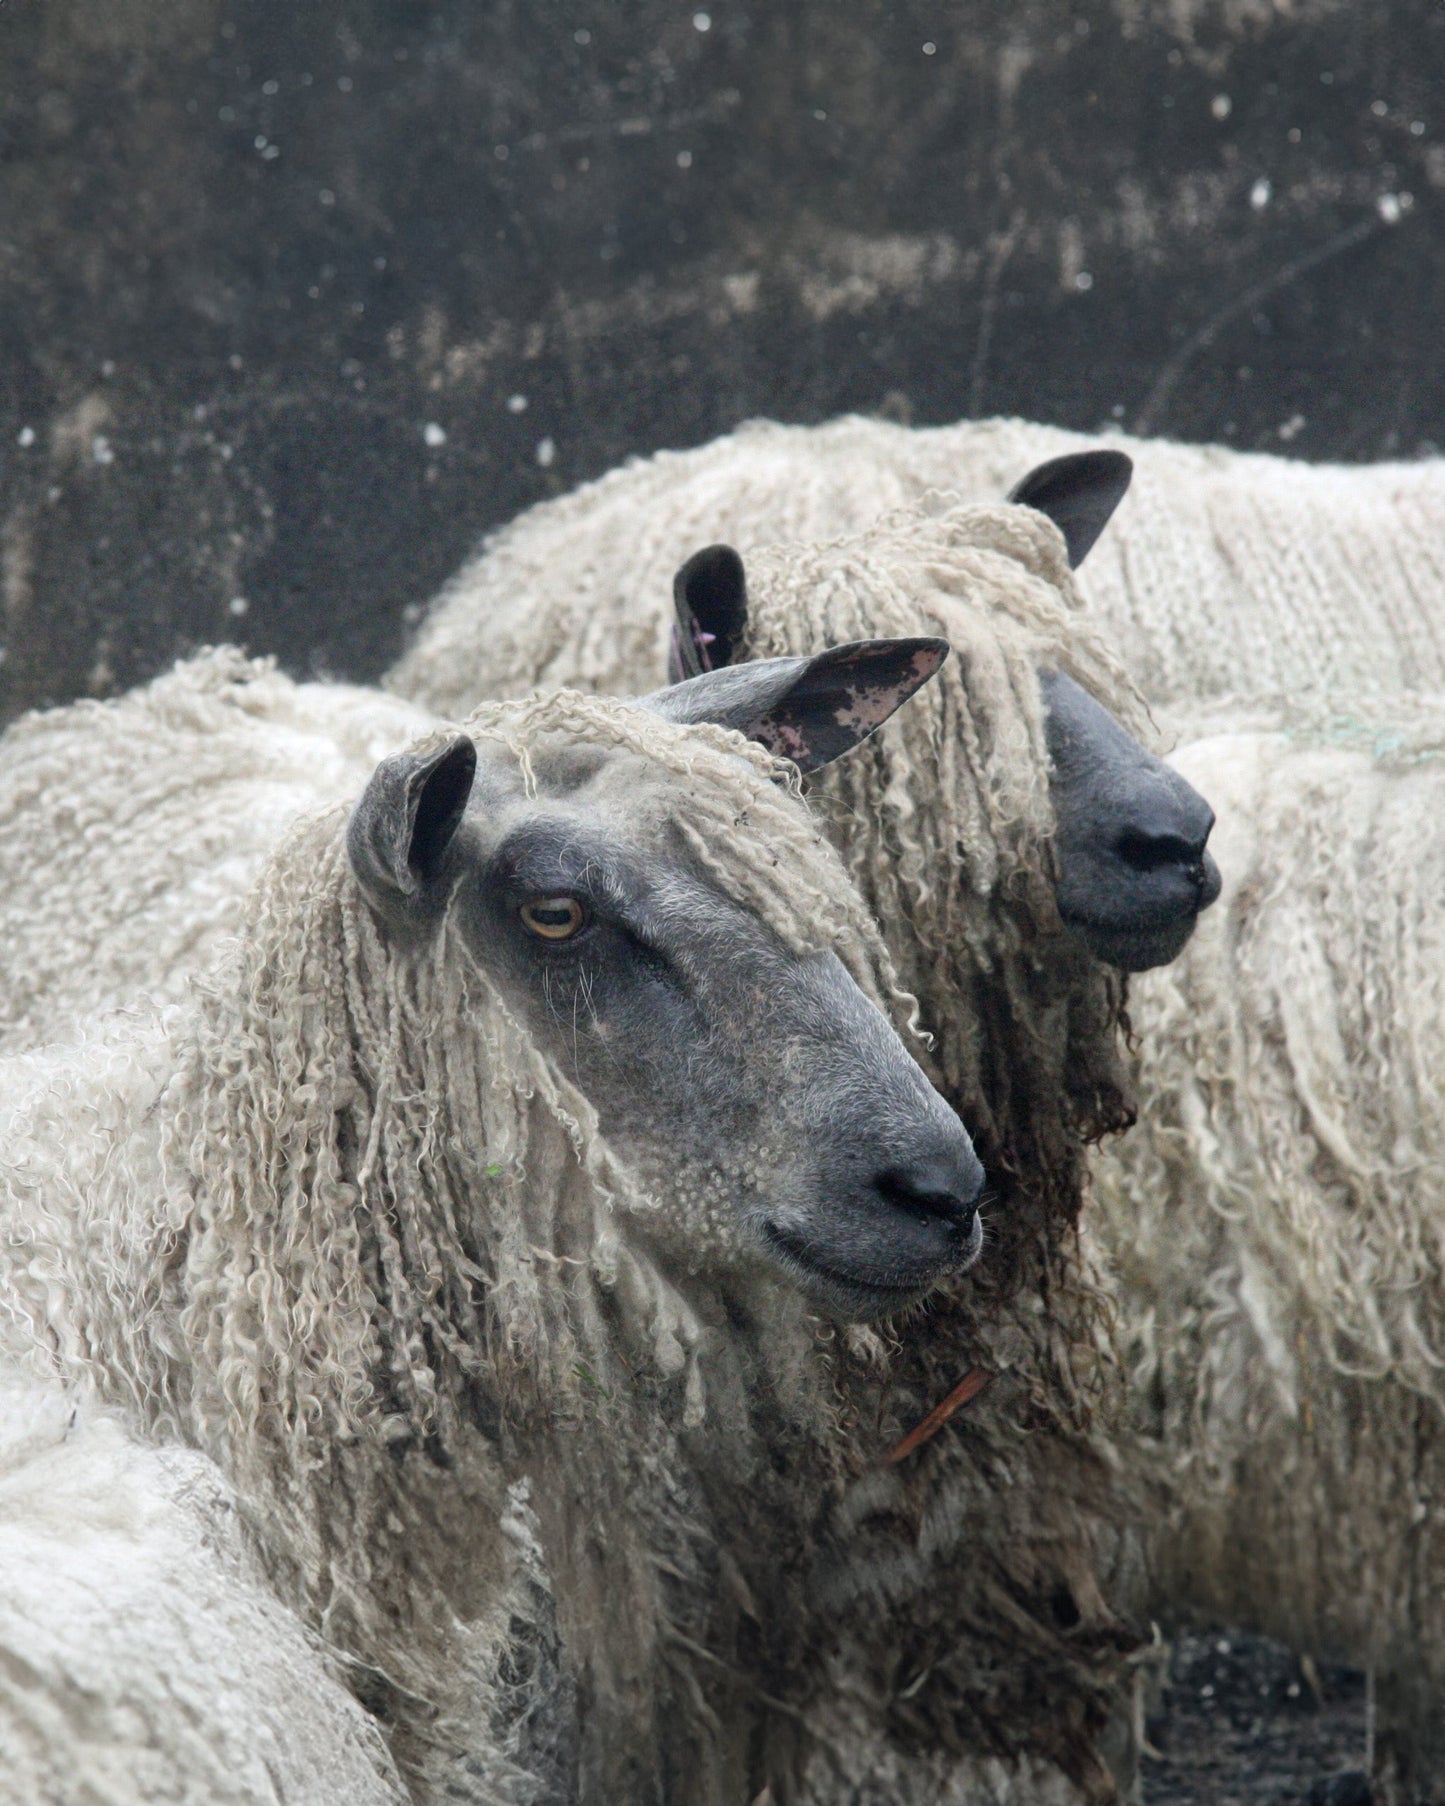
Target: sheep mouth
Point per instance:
(1131, 948)
(858, 1293)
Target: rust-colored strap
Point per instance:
(975, 1381)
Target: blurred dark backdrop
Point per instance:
(296, 300)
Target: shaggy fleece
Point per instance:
(143, 1660)
(131, 830)
(1276, 1222)
(1222, 571)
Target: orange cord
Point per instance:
(975, 1381)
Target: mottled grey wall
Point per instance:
(296, 300)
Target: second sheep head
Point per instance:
(1131, 863)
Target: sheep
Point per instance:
(1227, 571)
(145, 1658)
(1276, 1222)
(510, 1301)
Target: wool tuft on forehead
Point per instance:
(736, 807)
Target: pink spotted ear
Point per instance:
(810, 710)
(843, 696)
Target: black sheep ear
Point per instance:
(710, 596)
(403, 827)
(1079, 492)
(809, 710)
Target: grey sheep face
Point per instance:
(755, 1092)
(1132, 868)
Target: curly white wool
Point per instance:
(131, 830)
(1276, 1222)
(1222, 572)
(142, 1655)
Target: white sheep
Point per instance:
(1276, 1222)
(462, 1258)
(1226, 571)
(145, 1659)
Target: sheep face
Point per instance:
(759, 1097)
(1133, 869)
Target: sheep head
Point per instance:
(731, 1061)
(1129, 841)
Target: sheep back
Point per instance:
(1223, 571)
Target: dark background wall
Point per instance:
(296, 300)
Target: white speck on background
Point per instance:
(1083, 280)
(25, 438)
(237, 606)
(702, 22)
(327, 198)
(582, 37)
(1221, 106)
(930, 48)
(1389, 208)
(101, 449)
(684, 159)
(516, 404)
(434, 434)
(546, 452)
(1259, 195)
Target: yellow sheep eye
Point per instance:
(554, 918)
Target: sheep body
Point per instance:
(146, 1663)
(1276, 1222)
(1224, 571)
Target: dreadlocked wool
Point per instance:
(575, 1524)
(944, 820)
(131, 830)
(1223, 571)
(145, 1658)
(1277, 1221)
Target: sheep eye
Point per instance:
(554, 918)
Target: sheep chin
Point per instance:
(1132, 949)
(858, 1298)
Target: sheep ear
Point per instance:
(1078, 492)
(710, 596)
(407, 818)
(809, 710)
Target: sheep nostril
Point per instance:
(1145, 852)
(921, 1196)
